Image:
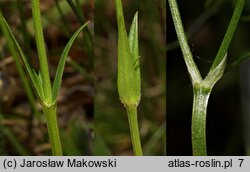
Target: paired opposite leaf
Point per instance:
(59, 72)
(128, 80)
(36, 79)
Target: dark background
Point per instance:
(225, 129)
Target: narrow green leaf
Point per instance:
(12, 38)
(59, 72)
(38, 84)
(229, 34)
(134, 49)
(133, 37)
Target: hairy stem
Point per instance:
(134, 130)
(199, 114)
(202, 88)
(188, 57)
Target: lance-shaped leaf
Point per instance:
(59, 72)
(128, 79)
(134, 49)
(12, 40)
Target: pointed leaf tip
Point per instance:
(133, 37)
(59, 72)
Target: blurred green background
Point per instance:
(227, 123)
(111, 124)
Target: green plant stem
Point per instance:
(49, 107)
(202, 88)
(52, 125)
(188, 57)
(197, 24)
(56, 16)
(128, 78)
(229, 34)
(200, 101)
(44, 68)
(134, 130)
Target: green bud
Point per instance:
(129, 80)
